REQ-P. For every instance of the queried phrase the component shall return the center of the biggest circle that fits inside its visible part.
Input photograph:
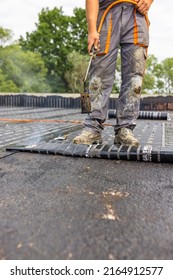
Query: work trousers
(126, 29)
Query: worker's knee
(136, 84)
(95, 85)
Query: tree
(159, 76)
(49, 39)
(5, 35)
(7, 85)
(148, 83)
(79, 31)
(167, 75)
(75, 77)
(56, 36)
(23, 71)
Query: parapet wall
(161, 103)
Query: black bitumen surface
(59, 207)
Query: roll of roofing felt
(149, 115)
(146, 153)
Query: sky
(21, 15)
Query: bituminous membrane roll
(149, 115)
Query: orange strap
(110, 7)
(108, 40)
(110, 26)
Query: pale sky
(21, 15)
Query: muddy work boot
(88, 138)
(125, 136)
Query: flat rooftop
(64, 205)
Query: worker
(125, 27)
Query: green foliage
(49, 40)
(75, 76)
(148, 83)
(79, 31)
(167, 75)
(159, 76)
(7, 85)
(5, 35)
(56, 36)
(53, 58)
(23, 71)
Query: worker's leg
(101, 78)
(102, 73)
(133, 66)
(134, 43)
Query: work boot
(125, 136)
(88, 137)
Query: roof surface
(66, 207)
